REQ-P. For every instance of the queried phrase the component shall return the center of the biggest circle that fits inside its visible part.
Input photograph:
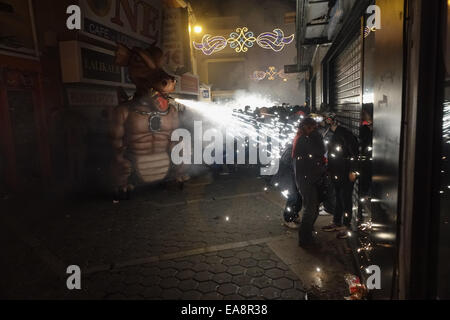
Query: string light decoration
(274, 40)
(211, 44)
(271, 73)
(242, 39)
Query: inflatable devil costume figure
(142, 126)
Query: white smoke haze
(265, 137)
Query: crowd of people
(320, 167)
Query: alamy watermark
(214, 146)
(74, 279)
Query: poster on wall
(175, 40)
(17, 30)
(133, 23)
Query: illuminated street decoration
(258, 75)
(211, 44)
(271, 73)
(242, 39)
(274, 40)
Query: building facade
(59, 86)
(376, 57)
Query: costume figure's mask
(144, 68)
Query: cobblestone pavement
(251, 272)
(211, 240)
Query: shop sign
(85, 63)
(189, 84)
(131, 22)
(100, 66)
(79, 97)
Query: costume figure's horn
(146, 57)
(123, 55)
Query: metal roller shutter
(346, 84)
(346, 94)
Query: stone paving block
(116, 287)
(166, 264)
(243, 254)
(248, 262)
(235, 270)
(218, 268)
(191, 295)
(171, 294)
(227, 289)
(290, 275)
(189, 284)
(253, 249)
(212, 296)
(262, 282)
(222, 277)
(150, 271)
(182, 265)
(293, 294)
(169, 283)
(132, 279)
(185, 274)
(233, 297)
(242, 280)
(270, 293)
(169, 272)
(213, 259)
(207, 286)
(150, 281)
(197, 259)
(248, 291)
(283, 283)
(226, 253)
(203, 276)
(254, 272)
(282, 266)
(201, 266)
(152, 292)
(274, 273)
(266, 264)
(230, 261)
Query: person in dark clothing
(284, 180)
(308, 153)
(342, 161)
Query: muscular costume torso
(141, 138)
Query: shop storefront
(357, 60)
(401, 220)
(24, 149)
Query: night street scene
(201, 151)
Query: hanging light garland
(270, 74)
(242, 39)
